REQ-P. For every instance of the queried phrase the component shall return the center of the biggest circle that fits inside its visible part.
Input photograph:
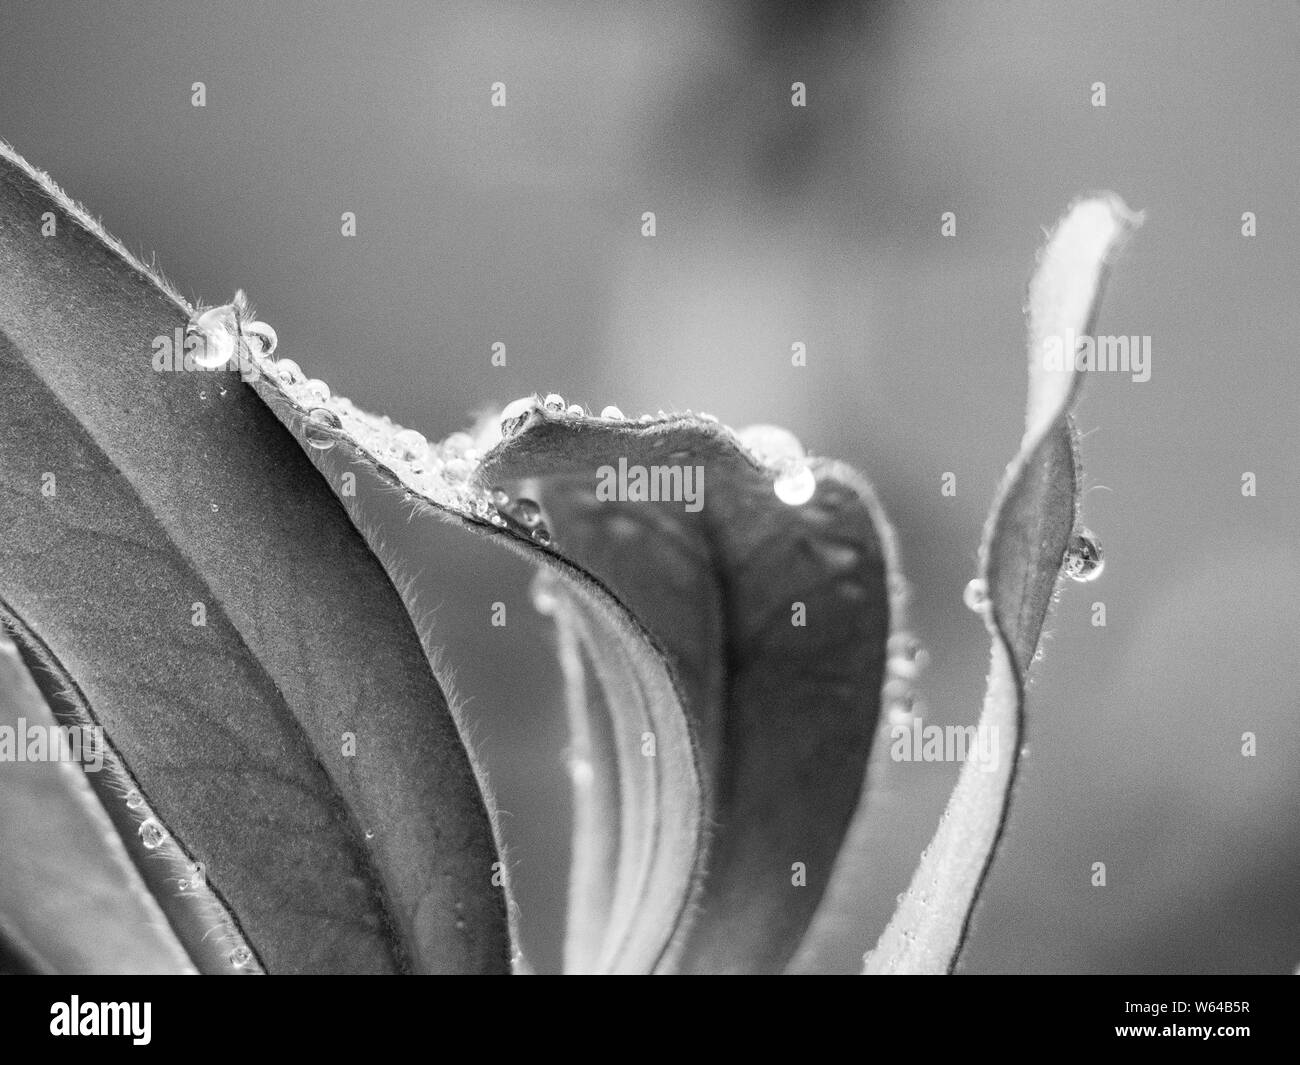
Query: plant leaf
(178, 488)
(702, 597)
(1025, 541)
(70, 898)
(784, 713)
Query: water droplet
(542, 535)
(202, 394)
(612, 413)
(1083, 559)
(217, 326)
(576, 410)
(457, 444)
(554, 402)
(215, 508)
(370, 833)
(976, 595)
(321, 421)
(905, 644)
(900, 714)
(517, 408)
(152, 833)
(906, 655)
(222, 390)
(313, 393)
(795, 486)
(500, 497)
(134, 800)
(645, 419)
(772, 445)
(289, 372)
(411, 445)
(241, 957)
(457, 470)
(460, 925)
(263, 334)
(527, 513)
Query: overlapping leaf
(168, 547)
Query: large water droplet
(217, 327)
(240, 958)
(134, 800)
(542, 535)
(576, 410)
(1083, 559)
(516, 408)
(554, 402)
(795, 486)
(976, 595)
(612, 412)
(152, 833)
(500, 497)
(321, 425)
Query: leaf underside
(783, 713)
(175, 489)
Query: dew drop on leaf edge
(795, 486)
(152, 833)
(1083, 558)
(322, 423)
(976, 595)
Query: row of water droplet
(153, 835)
(442, 472)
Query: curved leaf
(774, 616)
(175, 490)
(770, 719)
(1025, 542)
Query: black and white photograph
(731, 487)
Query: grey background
(775, 225)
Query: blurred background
(776, 225)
